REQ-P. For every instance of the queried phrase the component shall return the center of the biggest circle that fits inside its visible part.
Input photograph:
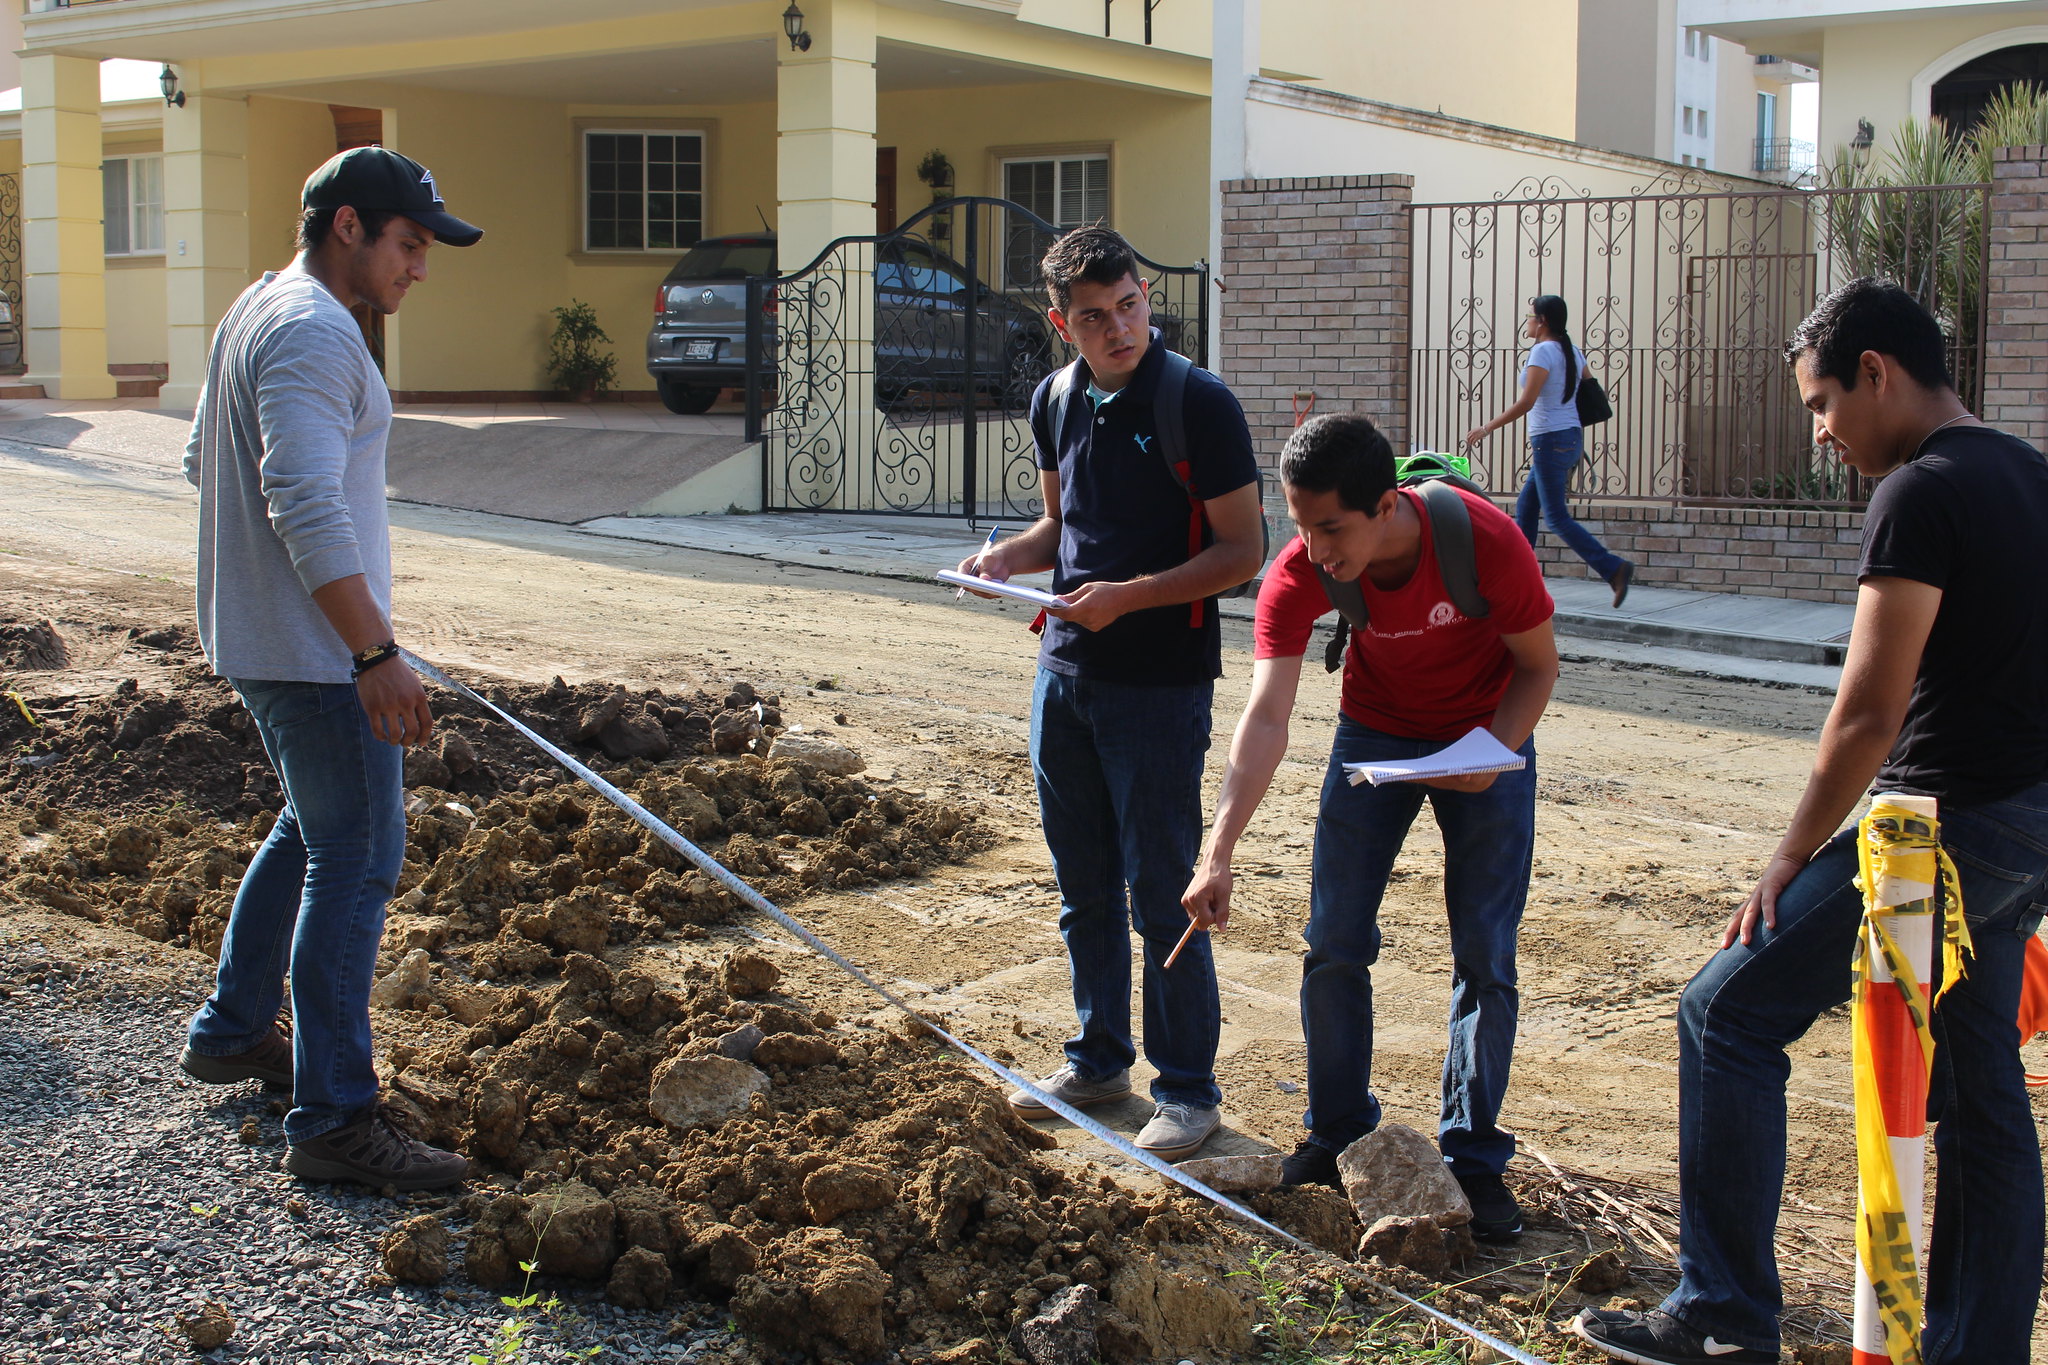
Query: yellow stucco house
(142, 220)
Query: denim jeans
(1748, 1003)
(1489, 838)
(1552, 457)
(1119, 773)
(312, 901)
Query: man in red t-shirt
(1421, 675)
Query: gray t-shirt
(1555, 409)
(287, 452)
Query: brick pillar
(1316, 280)
(2016, 296)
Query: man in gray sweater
(287, 451)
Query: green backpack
(1436, 477)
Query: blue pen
(993, 532)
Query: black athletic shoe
(1657, 1338)
(1496, 1217)
(1311, 1164)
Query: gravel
(128, 1196)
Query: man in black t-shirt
(1944, 694)
(1120, 714)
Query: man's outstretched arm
(1893, 618)
(1255, 753)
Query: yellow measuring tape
(1902, 845)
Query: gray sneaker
(1177, 1131)
(1066, 1084)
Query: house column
(206, 230)
(825, 121)
(64, 252)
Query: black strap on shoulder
(1170, 417)
(1064, 382)
(1450, 525)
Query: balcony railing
(1781, 157)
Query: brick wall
(2016, 331)
(1315, 300)
(1762, 552)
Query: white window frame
(141, 218)
(703, 192)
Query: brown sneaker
(377, 1152)
(270, 1061)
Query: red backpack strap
(1197, 519)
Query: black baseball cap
(381, 180)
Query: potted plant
(937, 173)
(575, 364)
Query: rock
(701, 1092)
(578, 923)
(835, 1190)
(796, 1050)
(1185, 1310)
(734, 732)
(722, 1255)
(501, 1238)
(1420, 1244)
(640, 1279)
(634, 735)
(131, 848)
(578, 1231)
(1063, 1330)
(827, 756)
(406, 987)
(207, 1325)
(1396, 1172)
(424, 768)
(1601, 1274)
(457, 754)
(747, 973)
(741, 1042)
(598, 714)
(416, 1251)
(815, 1288)
(1235, 1174)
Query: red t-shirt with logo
(1421, 669)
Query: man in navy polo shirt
(1120, 714)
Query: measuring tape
(711, 867)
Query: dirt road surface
(1660, 794)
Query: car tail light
(660, 299)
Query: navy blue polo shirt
(1123, 514)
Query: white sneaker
(1066, 1085)
(1177, 1131)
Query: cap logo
(427, 179)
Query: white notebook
(1478, 752)
(1023, 592)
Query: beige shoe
(1066, 1084)
(1177, 1131)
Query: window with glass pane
(132, 205)
(643, 191)
(1068, 192)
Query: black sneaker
(372, 1150)
(1657, 1338)
(1496, 1217)
(1311, 1164)
(270, 1061)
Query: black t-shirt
(1968, 515)
(1123, 514)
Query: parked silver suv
(698, 345)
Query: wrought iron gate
(1682, 303)
(902, 366)
(10, 244)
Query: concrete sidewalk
(1771, 639)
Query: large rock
(1396, 1172)
(416, 1251)
(747, 973)
(640, 1279)
(1417, 1243)
(740, 1043)
(734, 732)
(702, 1092)
(1235, 1174)
(578, 1230)
(823, 754)
(407, 986)
(634, 735)
(1062, 1332)
(207, 1325)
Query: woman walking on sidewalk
(1550, 383)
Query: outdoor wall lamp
(169, 83)
(793, 25)
(1865, 135)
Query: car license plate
(700, 350)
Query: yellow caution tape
(1903, 845)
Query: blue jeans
(1489, 839)
(1119, 772)
(1748, 1003)
(312, 901)
(1552, 457)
